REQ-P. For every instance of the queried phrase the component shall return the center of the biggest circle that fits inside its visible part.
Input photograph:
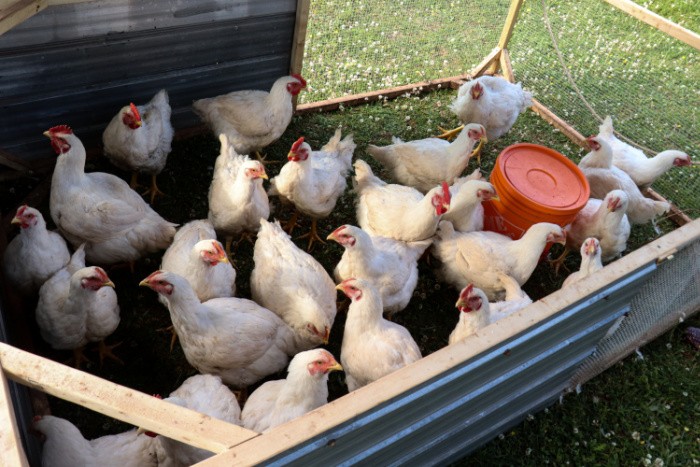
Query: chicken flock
(426, 206)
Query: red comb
(61, 129)
(346, 281)
(154, 273)
(468, 290)
(218, 248)
(300, 78)
(446, 192)
(296, 144)
(135, 111)
(101, 273)
(21, 210)
(339, 229)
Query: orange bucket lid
(540, 179)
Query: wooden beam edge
(554, 120)
(11, 451)
(120, 402)
(286, 436)
(657, 21)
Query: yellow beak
(47, 133)
(145, 283)
(264, 176)
(16, 220)
(108, 284)
(336, 367)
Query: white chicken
(207, 395)
(35, 254)
(590, 262)
(252, 119)
(642, 170)
(196, 255)
(139, 139)
(78, 305)
(604, 177)
(65, 446)
(234, 338)
(397, 211)
(425, 163)
(477, 312)
(99, 209)
(294, 285)
(282, 400)
(313, 180)
(391, 265)
(372, 346)
(237, 198)
(480, 258)
(466, 212)
(492, 101)
(605, 220)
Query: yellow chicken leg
(153, 190)
(557, 263)
(449, 135)
(477, 151)
(173, 335)
(292, 222)
(312, 235)
(105, 350)
(79, 357)
(134, 180)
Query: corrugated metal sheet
(467, 406)
(79, 64)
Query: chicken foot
(449, 135)
(312, 235)
(263, 159)
(173, 335)
(105, 350)
(153, 190)
(292, 222)
(557, 263)
(79, 357)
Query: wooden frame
(14, 12)
(237, 446)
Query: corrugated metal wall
(79, 64)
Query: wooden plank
(286, 436)
(299, 40)
(11, 452)
(506, 66)
(364, 98)
(558, 123)
(507, 31)
(676, 215)
(14, 13)
(659, 22)
(489, 65)
(120, 402)
(508, 26)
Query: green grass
(645, 79)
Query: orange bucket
(534, 184)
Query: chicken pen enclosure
(456, 398)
